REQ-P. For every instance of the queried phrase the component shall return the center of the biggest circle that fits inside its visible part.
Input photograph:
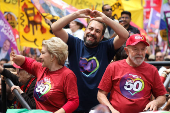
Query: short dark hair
(126, 12)
(147, 56)
(4, 59)
(104, 26)
(103, 6)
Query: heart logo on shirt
(134, 86)
(88, 66)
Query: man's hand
(18, 88)
(114, 111)
(83, 13)
(17, 59)
(1, 69)
(97, 15)
(12, 55)
(152, 106)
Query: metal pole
(3, 96)
(17, 94)
(159, 63)
(167, 81)
(15, 91)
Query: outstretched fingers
(12, 54)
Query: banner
(167, 19)
(32, 26)
(162, 27)
(55, 9)
(7, 39)
(165, 7)
(117, 8)
(10, 10)
(154, 21)
(155, 4)
(134, 6)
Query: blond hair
(57, 47)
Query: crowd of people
(106, 66)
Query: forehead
(107, 7)
(159, 53)
(125, 15)
(96, 25)
(7, 41)
(44, 48)
(73, 22)
(21, 71)
(3, 62)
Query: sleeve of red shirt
(158, 88)
(162, 79)
(106, 81)
(71, 105)
(27, 64)
(71, 92)
(32, 66)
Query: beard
(135, 60)
(89, 43)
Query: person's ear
(52, 57)
(126, 50)
(101, 38)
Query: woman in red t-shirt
(56, 85)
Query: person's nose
(92, 32)
(140, 52)
(40, 56)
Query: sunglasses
(108, 9)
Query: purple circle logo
(42, 88)
(131, 86)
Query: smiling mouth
(91, 38)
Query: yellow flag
(32, 26)
(117, 8)
(134, 6)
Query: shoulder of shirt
(149, 65)
(130, 26)
(115, 63)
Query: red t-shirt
(131, 87)
(53, 88)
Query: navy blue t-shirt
(89, 65)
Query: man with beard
(88, 59)
(131, 81)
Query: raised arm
(57, 27)
(122, 33)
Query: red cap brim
(16, 66)
(140, 41)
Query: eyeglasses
(108, 9)
(124, 17)
(158, 56)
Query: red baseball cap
(16, 66)
(136, 38)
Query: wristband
(164, 73)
